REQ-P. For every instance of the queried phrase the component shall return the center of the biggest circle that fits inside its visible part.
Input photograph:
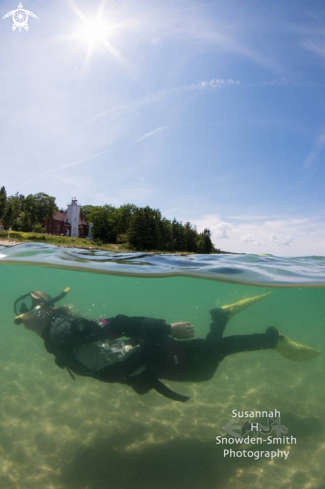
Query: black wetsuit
(153, 354)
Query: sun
(99, 32)
(95, 31)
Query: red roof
(61, 216)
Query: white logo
(20, 18)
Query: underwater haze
(56, 433)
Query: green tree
(179, 237)
(7, 217)
(124, 215)
(45, 207)
(144, 229)
(204, 243)
(40, 207)
(31, 208)
(38, 228)
(190, 237)
(166, 235)
(200, 244)
(22, 222)
(104, 220)
(85, 211)
(3, 200)
(14, 206)
(138, 234)
(209, 248)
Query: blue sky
(213, 112)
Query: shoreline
(9, 242)
(6, 242)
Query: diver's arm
(182, 330)
(136, 326)
(148, 327)
(79, 331)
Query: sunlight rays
(97, 32)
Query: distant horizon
(210, 111)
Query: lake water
(56, 433)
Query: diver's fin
(295, 352)
(232, 309)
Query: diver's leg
(221, 315)
(220, 319)
(250, 342)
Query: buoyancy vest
(58, 340)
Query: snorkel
(46, 303)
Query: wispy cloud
(194, 7)
(61, 167)
(286, 82)
(316, 46)
(227, 32)
(317, 148)
(84, 160)
(151, 133)
(253, 217)
(204, 85)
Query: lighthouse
(73, 217)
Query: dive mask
(26, 305)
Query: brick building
(68, 223)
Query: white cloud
(250, 238)
(281, 240)
(221, 230)
(296, 236)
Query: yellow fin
(239, 306)
(295, 352)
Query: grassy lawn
(65, 241)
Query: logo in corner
(20, 18)
(273, 424)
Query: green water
(56, 433)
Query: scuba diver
(139, 351)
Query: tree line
(143, 228)
(21, 213)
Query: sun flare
(95, 31)
(98, 34)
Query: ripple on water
(307, 271)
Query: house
(68, 223)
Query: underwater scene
(259, 422)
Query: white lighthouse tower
(73, 217)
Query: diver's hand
(183, 331)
